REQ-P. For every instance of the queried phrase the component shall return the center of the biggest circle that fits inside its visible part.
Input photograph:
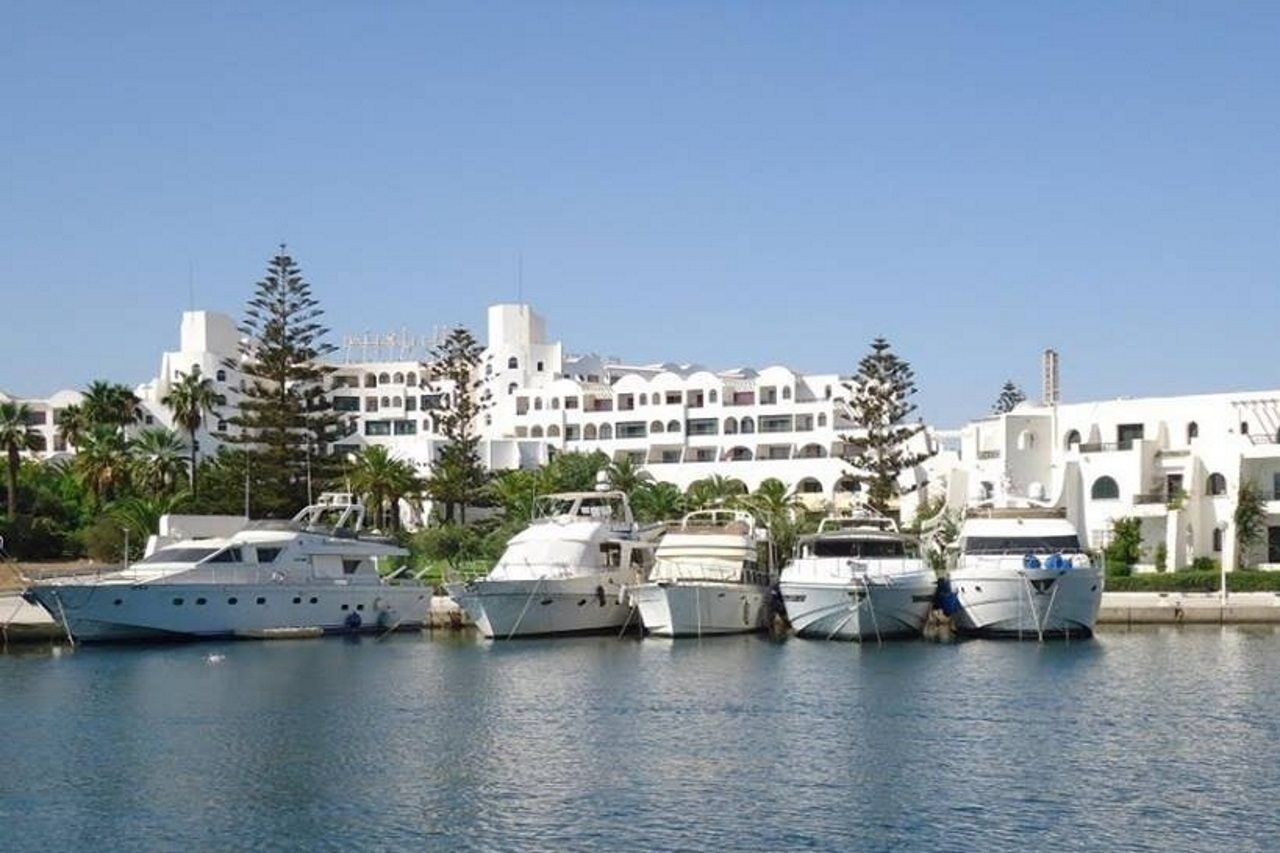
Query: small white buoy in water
(212, 659)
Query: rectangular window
(268, 555)
(702, 454)
(411, 404)
(674, 398)
(572, 432)
(768, 395)
(346, 404)
(702, 426)
(632, 429)
(1127, 434)
(775, 423)
(432, 401)
(1275, 486)
(406, 427)
(626, 402)
(377, 427)
(1273, 544)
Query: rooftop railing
(1106, 446)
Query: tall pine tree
(283, 416)
(458, 474)
(880, 402)
(1010, 396)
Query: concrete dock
(1189, 608)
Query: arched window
(1193, 431)
(740, 454)
(221, 375)
(712, 396)
(747, 425)
(513, 363)
(536, 432)
(555, 402)
(589, 432)
(812, 451)
(848, 484)
(1217, 485)
(384, 378)
(730, 426)
(386, 402)
(553, 431)
(370, 381)
(1104, 489)
(656, 426)
(673, 426)
(511, 389)
(1072, 440)
(1217, 540)
(537, 403)
(809, 486)
(786, 392)
(606, 432)
(411, 380)
(822, 420)
(1026, 440)
(644, 399)
(398, 378)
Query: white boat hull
(857, 611)
(503, 609)
(121, 612)
(1028, 603)
(698, 608)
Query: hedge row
(1190, 581)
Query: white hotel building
(680, 422)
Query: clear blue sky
(729, 183)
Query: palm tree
(72, 423)
(714, 491)
(102, 461)
(780, 510)
(626, 476)
(110, 404)
(657, 502)
(377, 477)
(159, 459)
(190, 399)
(16, 435)
(141, 516)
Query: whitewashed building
(1175, 463)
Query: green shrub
(1162, 557)
(1194, 580)
(104, 541)
(27, 538)
(1205, 564)
(1126, 542)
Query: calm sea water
(1151, 739)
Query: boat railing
(1018, 562)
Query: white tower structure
(1049, 377)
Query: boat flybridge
(707, 578)
(857, 578)
(565, 573)
(1022, 572)
(311, 575)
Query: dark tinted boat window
(268, 555)
(868, 548)
(178, 555)
(230, 555)
(1019, 544)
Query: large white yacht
(566, 572)
(857, 578)
(706, 578)
(314, 574)
(1021, 572)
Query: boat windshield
(179, 555)
(865, 548)
(1020, 544)
(596, 508)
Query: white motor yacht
(1021, 572)
(565, 573)
(706, 578)
(857, 578)
(312, 575)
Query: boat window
(611, 554)
(870, 548)
(268, 555)
(1019, 544)
(179, 555)
(228, 555)
(349, 567)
